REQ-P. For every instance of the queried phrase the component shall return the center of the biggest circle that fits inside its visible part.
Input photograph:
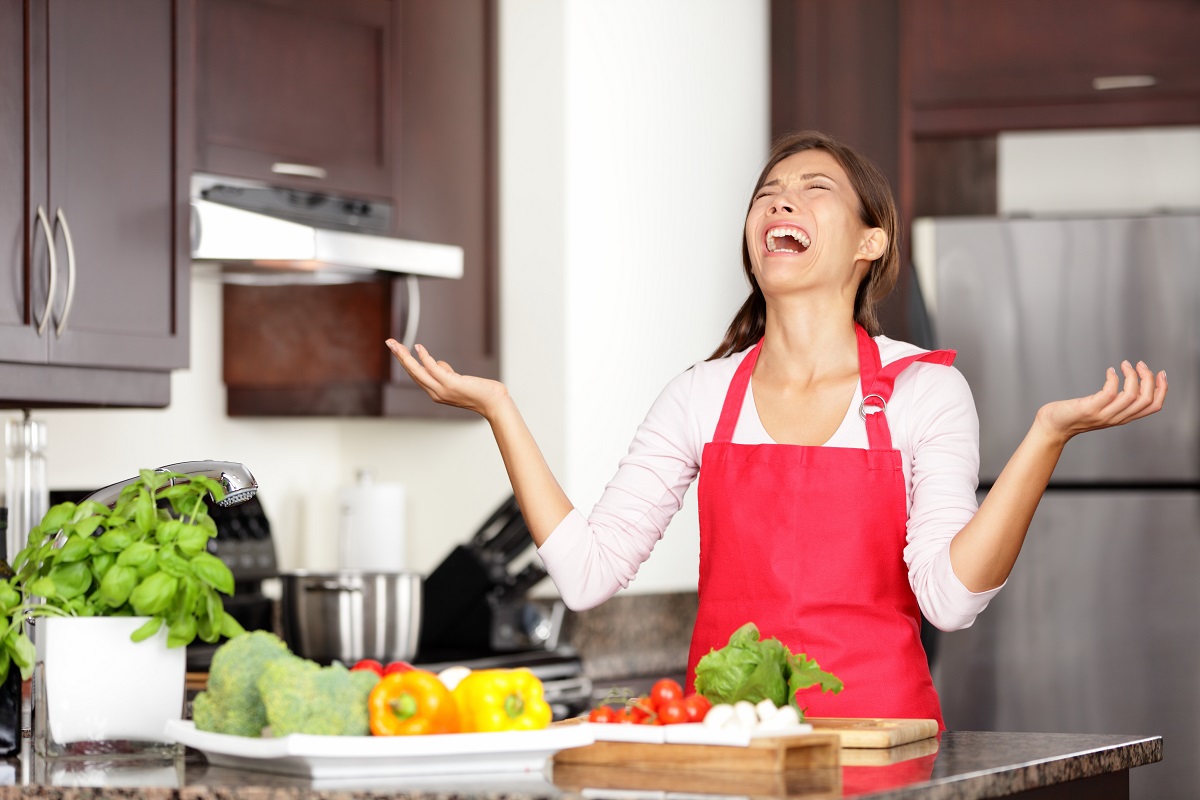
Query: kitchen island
(960, 765)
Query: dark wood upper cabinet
(95, 113)
(298, 92)
(318, 350)
(976, 66)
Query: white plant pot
(96, 691)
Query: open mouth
(786, 239)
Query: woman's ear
(874, 244)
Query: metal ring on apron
(862, 407)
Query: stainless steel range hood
(259, 234)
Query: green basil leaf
(191, 594)
(213, 607)
(56, 517)
(153, 479)
(170, 562)
(182, 631)
(192, 540)
(168, 531)
(5, 659)
(230, 627)
(145, 512)
(154, 594)
(90, 508)
(115, 540)
(88, 525)
(147, 630)
(10, 598)
(212, 571)
(77, 548)
(101, 563)
(21, 650)
(138, 555)
(117, 585)
(71, 580)
(43, 587)
(206, 630)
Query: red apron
(808, 543)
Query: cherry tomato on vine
(602, 714)
(665, 690)
(641, 711)
(673, 712)
(697, 707)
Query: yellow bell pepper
(501, 700)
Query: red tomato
(622, 716)
(603, 714)
(371, 664)
(673, 712)
(398, 666)
(641, 711)
(697, 707)
(664, 691)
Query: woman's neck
(807, 341)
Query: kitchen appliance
(267, 234)
(349, 615)
(1097, 630)
(477, 613)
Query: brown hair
(877, 209)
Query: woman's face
(804, 227)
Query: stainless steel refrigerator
(1098, 628)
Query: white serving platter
(340, 757)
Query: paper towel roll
(372, 535)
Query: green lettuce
(753, 669)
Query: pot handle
(331, 586)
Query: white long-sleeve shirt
(934, 426)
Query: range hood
(260, 234)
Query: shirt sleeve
(591, 558)
(943, 429)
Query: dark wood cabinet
(94, 108)
(299, 93)
(923, 87)
(318, 350)
(977, 67)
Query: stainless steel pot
(351, 615)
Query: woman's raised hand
(444, 385)
(1142, 394)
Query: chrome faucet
(237, 481)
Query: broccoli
(231, 703)
(303, 697)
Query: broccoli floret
(231, 703)
(303, 697)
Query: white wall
(630, 135)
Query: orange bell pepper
(502, 700)
(413, 702)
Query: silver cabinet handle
(61, 218)
(414, 311)
(41, 326)
(299, 170)
(1108, 82)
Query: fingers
(1141, 394)
(425, 372)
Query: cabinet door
(21, 302)
(296, 92)
(118, 183)
(1064, 63)
(447, 189)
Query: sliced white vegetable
(784, 717)
(765, 709)
(718, 715)
(747, 716)
(451, 676)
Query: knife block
(455, 614)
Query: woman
(837, 467)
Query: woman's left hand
(1142, 394)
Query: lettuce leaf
(753, 669)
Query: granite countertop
(961, 766)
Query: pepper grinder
(28, 496)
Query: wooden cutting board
(770, 754)
(874, 733)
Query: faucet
(237, 481)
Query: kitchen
(570, 233)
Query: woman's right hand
(445, 386)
